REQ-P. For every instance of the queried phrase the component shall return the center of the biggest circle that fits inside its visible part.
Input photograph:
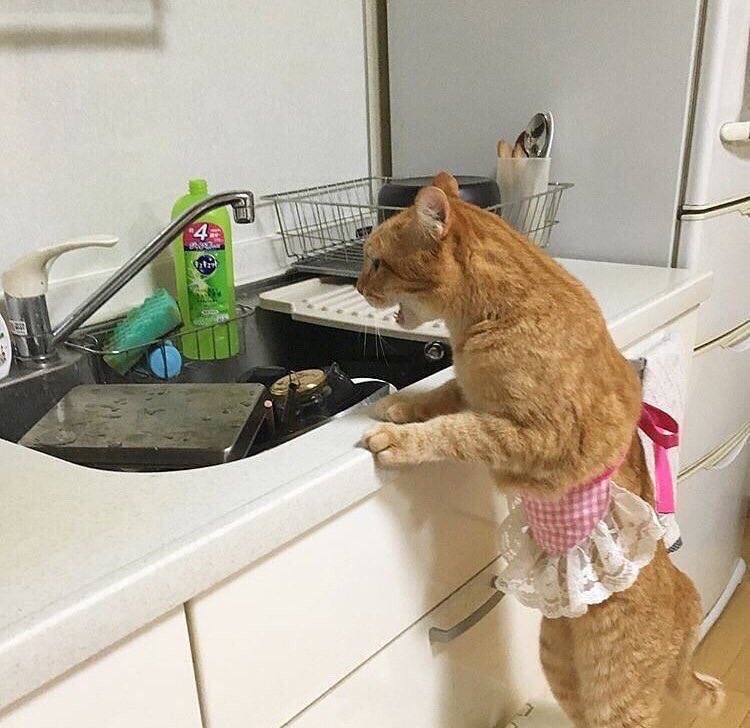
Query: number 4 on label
(202, 232)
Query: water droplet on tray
(65, 437)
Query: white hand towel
(664, 383)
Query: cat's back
(521, 277)
(543, 348)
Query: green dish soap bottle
(205, 280)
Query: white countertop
(90, 556)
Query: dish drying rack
(219, 347)
(324, 228)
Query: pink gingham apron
(557, 526)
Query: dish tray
(147, 427)
(324, 228)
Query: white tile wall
(102, 127)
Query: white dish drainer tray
(324, 227)
(336, 303)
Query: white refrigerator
(651, 101)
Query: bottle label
(204, 249)
(203, 236)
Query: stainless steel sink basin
(269, 339)
(27, 395)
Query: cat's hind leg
(556, 653)
(622, 660)
(702, 694)
(600, 695)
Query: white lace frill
(605, 562)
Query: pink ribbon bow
(663, 431)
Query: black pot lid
(419, 182)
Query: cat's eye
(375, 262)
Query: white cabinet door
(145, 681)
(720, 244)
(719, 172)
(718, 395)
(272, 639)
(711, 512)
(478, 679)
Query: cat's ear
(433, 211)
(447, 182)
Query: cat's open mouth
(406, 317)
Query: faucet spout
(243, 207)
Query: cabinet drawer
(146, 680)
(478, 679)
(272, 639)
(711, 513)
(722, 245)
(718, 400)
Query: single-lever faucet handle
(28, 276)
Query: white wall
(614, 74)
(105, 121)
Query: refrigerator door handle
(735, 132)
(704, 212)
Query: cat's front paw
(394, 444)
(396, 408)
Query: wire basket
(324, 228)
(209, 353)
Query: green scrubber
(154, 318)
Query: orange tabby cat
(542, 397)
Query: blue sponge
(156, 316)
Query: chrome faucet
(25, 282)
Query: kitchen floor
(725, 653)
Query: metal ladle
(537, 139)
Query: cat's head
(405, 259)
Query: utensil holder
(525, 179)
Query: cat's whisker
(377, 341)
(383, 346)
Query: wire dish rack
(209, 353)
(324, 228)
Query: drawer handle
(438, 634)
(727, 459)
(740, 342)
(720, 457)
(737, 339)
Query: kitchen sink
(270, 339)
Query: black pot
(399, 193)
